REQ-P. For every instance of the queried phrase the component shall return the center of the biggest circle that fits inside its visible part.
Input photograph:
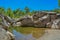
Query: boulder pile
(5, 34)
(41, 19)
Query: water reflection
(19, 36)
(28, 33)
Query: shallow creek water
(28, 34)
(20, 36)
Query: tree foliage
(18, 12)
(59, 3)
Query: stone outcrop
(38, 15)
(56, 24)
(5, 35)
(4, 25)
(6, 20)
(50, 34)
(39, 19)
(43, 20)
(26, 21)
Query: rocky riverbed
(51, 34)
(6, 35)
(37, 34)
(38, 20)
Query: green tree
(59, 3)
(27, 10)
(33, 12)
(56, 10)
(9, 12)
(2, 10)
(18, 12)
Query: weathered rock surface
(48, 19)
(16, 24)
(41, 19)
(38, 15)
(26, 21)
(4, 35)
(6, 20)
(50, 34)
(56, 24)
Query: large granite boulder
(49, 24)
(39, 24)
(26, 21)
(58, 16)
(44, 19)
(6, 20)
(56, 24)
(16, 24)
(52, 17)
(38, 15)
(4, 35)
(9, 20)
